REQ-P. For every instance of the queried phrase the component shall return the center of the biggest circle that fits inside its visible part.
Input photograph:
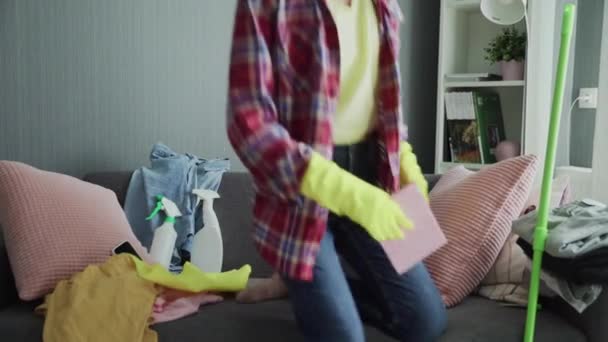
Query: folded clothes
(590, 268)
(574, 230)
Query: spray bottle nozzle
(206, 195)
(163, 203)
(159, 207)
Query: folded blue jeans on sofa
(174, 176)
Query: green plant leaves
(510, 44)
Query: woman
(315, 115)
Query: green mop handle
(540, 233)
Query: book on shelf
(468, 77)
(464, 141)
(475, 126)
(490, 122)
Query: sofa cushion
(117, 181)
(475, 320)
(234, 212)
(475, 211)
(55, 225)
(478, 319)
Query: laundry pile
(575, 261)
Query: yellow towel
(107, 302)
(194, 280)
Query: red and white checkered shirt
(284, 82)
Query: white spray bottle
(207, 247)
(165, 235)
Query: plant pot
(512, 70)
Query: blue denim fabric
(333, 306)
(174, 176)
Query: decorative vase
(512, 70)
(506, 150)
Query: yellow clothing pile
(113, 301)
(108, 302)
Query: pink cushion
(55, 225)
(475, 211)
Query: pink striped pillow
(56, 225)
(475, 211)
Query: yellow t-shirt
(359, 38)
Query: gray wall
(92, 84)
(563, 151)
(578, 128)
(419, 57)
(586, 75)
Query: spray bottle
(165, 235)
(207, 246)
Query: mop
(540, 233)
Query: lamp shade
(503, 12)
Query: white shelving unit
(464, 34)
(473, 167)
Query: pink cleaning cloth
(425, 238)
(172, 305)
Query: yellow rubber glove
(411, 171)
(192, 279)
(346, 195)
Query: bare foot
(262, 289)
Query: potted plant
(508, 49)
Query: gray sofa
(476, 319)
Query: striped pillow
(475, 211)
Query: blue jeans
(332, 307)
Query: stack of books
(475, 126)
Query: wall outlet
(588, 98)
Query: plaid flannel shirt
(283, 88)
